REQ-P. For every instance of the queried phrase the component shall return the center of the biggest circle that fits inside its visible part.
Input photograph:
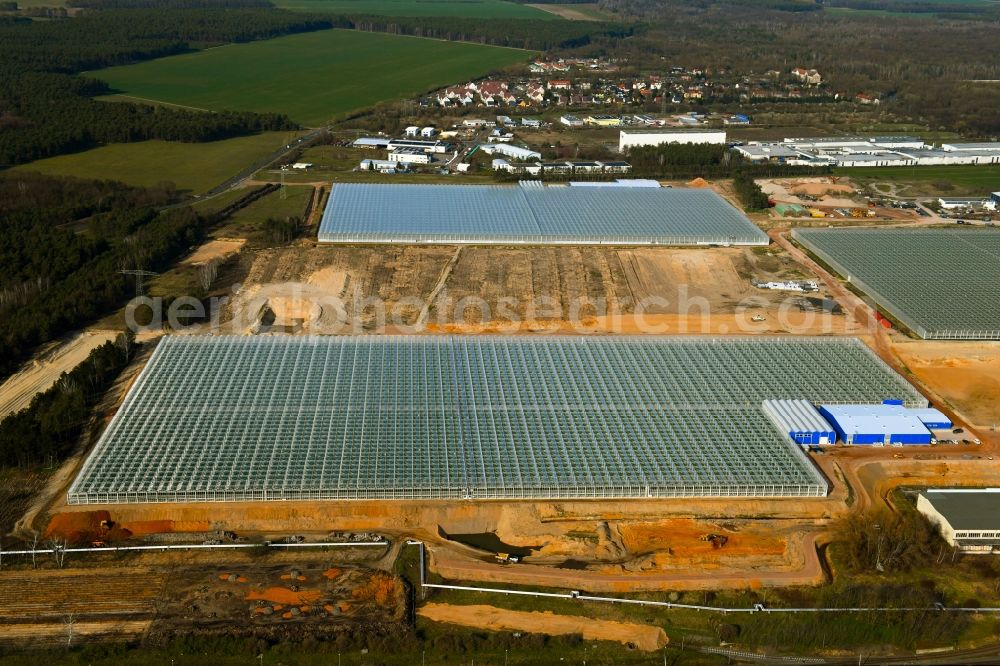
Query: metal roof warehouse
(376, 213)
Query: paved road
(258, 165)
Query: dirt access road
(42, 372)
(452, 564)
(644, 637)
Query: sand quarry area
(217, 249)
(964, 374)
(42, 372)
(823, 191)
(480, 616)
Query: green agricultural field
(971, 178)
(463, 8)
(313, 77)
(195, 167)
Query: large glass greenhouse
(940, 283)
(375, 213)
(269, 418)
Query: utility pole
(139, 275)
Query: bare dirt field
(516, 289)
(315, 289)
(217, 249)
(965, 374)
(644, 637)
(43, 371)
(50, 634)
(242, 597)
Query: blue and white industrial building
(889, 423)
(885, 424)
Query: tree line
(515, 33)
(47, 108)
(62, 261)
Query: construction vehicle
(717, 540)
(507, 558)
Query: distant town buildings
(868, 152)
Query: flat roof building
(419, 144)
(968, 519)
(371, 142)
(510, 150)
(409, 156)
(993, 146)
(885, 424)
(632, 138)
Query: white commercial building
(631, 138)
(382, 166)
(991, 147)
(515, 152)
(419, 144)
(409, 156)
(968, 519)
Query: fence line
(756, 608)
(193, 546)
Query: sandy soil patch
(965, 374)
(217, 249)
(795, 323)
(688, 539)
(330, 279)
(821, 191)
(643, 636)
(42, 372)
(283, 595)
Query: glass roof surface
(940, 283)
(512, 214)
(239, 418)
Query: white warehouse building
(409, 156)
(967, 518)
(631, 138)
(509, 150)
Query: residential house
(808, 76)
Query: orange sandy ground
(644, 637)
(85, 526)
(794, 322)
(282, 595)
(683, 538)
(965, 374)
(381, 587)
